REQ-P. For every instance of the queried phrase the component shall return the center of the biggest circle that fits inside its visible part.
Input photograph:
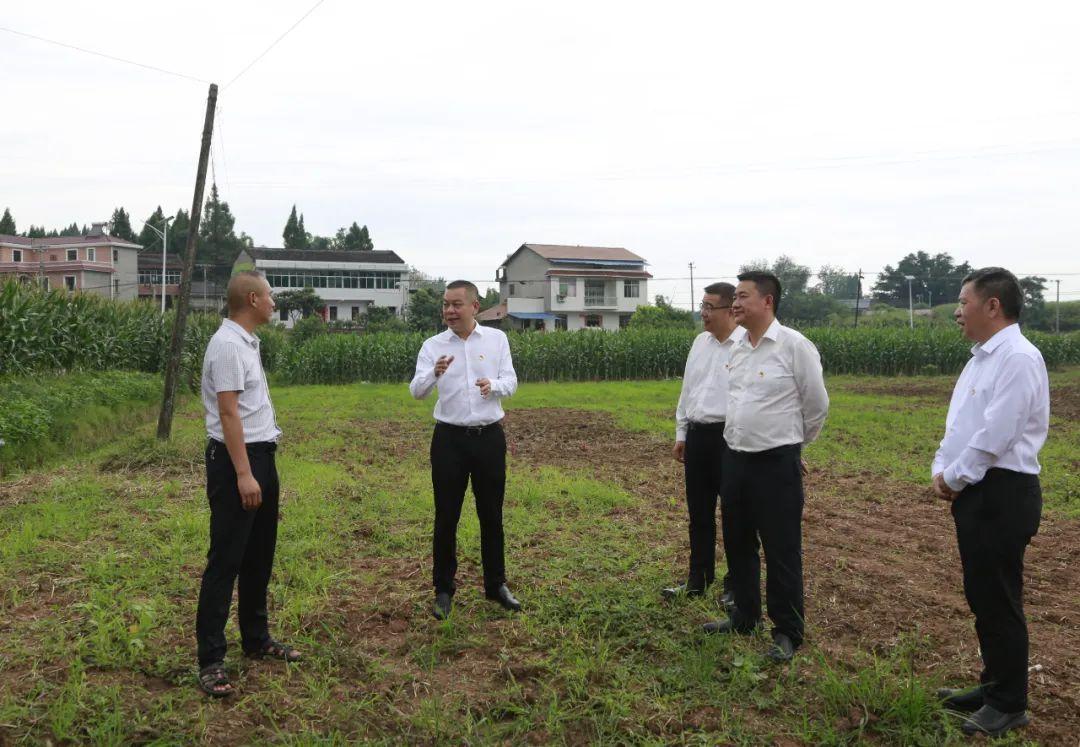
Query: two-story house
(94, 263)
(349, 282)
(545, 286)
(206, 294)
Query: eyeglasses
(710, 307)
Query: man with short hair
(471, 367)
(699, 435)
(987, 466)
(776, 404)
(241, 486)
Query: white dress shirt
(999, 413)
(232, 364)
(703, 398)
(776, 391)
(484, 354)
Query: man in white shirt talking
(470, 365)
(699, 435)
(776, 403)
(988, 468)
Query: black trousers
(762, 498)
(702, 467)
(995, 520)
(458, 455)
(241, 551)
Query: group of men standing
(753, 395)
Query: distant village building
(546, 286)
(206, 295)
(94, 263)
(349, 282)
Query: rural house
(94, 263)
(545, 286)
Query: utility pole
(910, 306)
(693, 298)
(172, 368)
(1057, 307)
(858, 296)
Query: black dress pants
(241, 551)
(459, 454)
(702, 467)
(995, 520)
(762, 498)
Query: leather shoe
(681, 590)
(725, 627)
(505, 599)
(962, 700)
(728, 600)
(781, 650)
(990, 720)
(442, 606)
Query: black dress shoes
(505, 599)
(681, 590)
(442, 606)
(728, 600)
(990, 720)
(782, 649)
(965, 700)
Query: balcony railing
(596, 302)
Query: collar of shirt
(772, 333)
(1000, 337)
(448, 335)
(242, 333)
(736, 334)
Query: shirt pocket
(771, 379)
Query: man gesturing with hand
(470, 365)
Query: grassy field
(100, 557)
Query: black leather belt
(469, 430)
(692, 426)
(270, 446)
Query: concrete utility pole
(858, 295)
(910, 306)
(693, 298)
(172, 369)
(1057, 307)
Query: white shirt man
(776, 403)
(988, 467)
(232, 364)
(699, 436)
(472, 369)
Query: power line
(114, 58)
(274, 43)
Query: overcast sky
(714, 133)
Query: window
(560, 323)
(355, 312)
(116, 256)
(624, 320)
(91, 254)
(513, 290)
(72, 255)
(116, 287)
(568, 287)
(283, 315)
(631, 289)
(333, 313)
(16, 255)
(69, 282)
(594, 320)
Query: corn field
(57, 331)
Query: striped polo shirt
(232, 364)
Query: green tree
(321, 244)
(72, 230)
(836, 282)
(662, 316)
(425, 310)
(178, 232)
(218, 243)
(7, 224)
(302, 302)
(147, 238)
(936, 279)
(294, 235)
(1034, 314)
(382, 319)
(36, 232)
(793, 276)
(489, 299)
(366, 244)
(350, 239)
(120, 225)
